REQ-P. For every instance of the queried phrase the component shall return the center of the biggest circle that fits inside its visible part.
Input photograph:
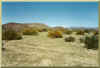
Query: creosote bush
(30, 31)
(91, 42)
(69, 39)
(11, 34)
(55, 34)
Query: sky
(66, 14)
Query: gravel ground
(43, 51)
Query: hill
(20, 26)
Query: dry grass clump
(11, 34)
(69, 39)
(55, 34)
(30, 31)
(91, 42)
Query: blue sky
(67, 14)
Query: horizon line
(50, 25)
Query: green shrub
(69, 39)
(10, 34)
(55, 34)
(30, 31)
(91, 42)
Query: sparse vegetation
(10, 34)
(91, 42)
(41, 50)
(59, 28)
(68, 32)
(80, 32)
(86, 30)
(95, 32)
(82, 39)
(30, 31)
(42, 30)
(55, 34)
(69, 39)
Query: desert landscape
(38, 44)
(50, 34)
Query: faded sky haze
(67, 14)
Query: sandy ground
(44, 51)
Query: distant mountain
(94, 28)
(20, 26)
(38, 25)
(14, 26)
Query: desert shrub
(95, 32)
(39, 30)
(91, 42)
(80, 32)
(82, 39)
(69, 39)
(30, 31)
(3, 35)
(10, 34)
(42, 29)
(87, 31)
(55, 34)
(68, 32)
(59, 28)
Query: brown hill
(19, 26)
